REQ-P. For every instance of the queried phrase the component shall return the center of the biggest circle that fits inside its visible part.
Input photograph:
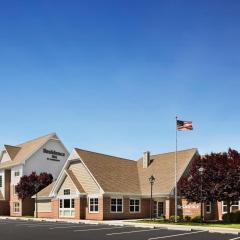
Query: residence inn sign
(54, 154)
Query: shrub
(197, 219)
(187, 218)
(162, 217)
(172, 218)
(234, 217)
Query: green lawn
(218, 224)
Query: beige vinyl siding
(44, 206)
(67, 184)
(84, 177)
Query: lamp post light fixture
(151, 181)
(201, 170)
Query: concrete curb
(234, 231)
(129, 223)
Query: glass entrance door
(160, 209)
(155, 209)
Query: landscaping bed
(204, 224)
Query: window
(160, 209)
(208, 207)
(93, 205)
(73, 203)
(66, 192)
(134, 205)
(67, 207)
(234, 206)
(16, 207)
(1, 180)
(224, 206)
(16, 173)
(116, 205)
(14, 189)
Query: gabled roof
(124, 176)
(12, 151)
(118, 175)
(19, 153)
(75, 181)
(113, 174)
(162, 167)
(44, 193)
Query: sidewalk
(135, 224)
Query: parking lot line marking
(32, 223)
(96, 229)
(176, 235)
(136, 231)
(235, 238)
(69, 227)
(41, 225)
(46, 225)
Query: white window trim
(17, 171)
(210, 207)
(67, 209)
(116, 204)
(223, 207)
(135, 205)
(230, 207)
(69, 192)
(89, 209)
(164, 207)
(15, 208)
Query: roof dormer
(12, 151)
(8, 153)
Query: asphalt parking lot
(26, 230)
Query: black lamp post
(151, 181)
(201, 170)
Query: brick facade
(126, 214)
(219, 209)
(95, 216)
(55, 208)
(45, 215)
(4, 208)
(14, 199)
(104, 213)
(193, 209)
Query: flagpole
(176, 171)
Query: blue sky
(109, 76)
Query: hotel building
(43, 154)
(100, 187)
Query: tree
(220, 180)
(194, 185)
(226, 177)
(32, 184)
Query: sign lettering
(54, 154)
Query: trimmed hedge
(172, 218)
(234, 217)
(187, 218)
(197, 219)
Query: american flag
(184, 125)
